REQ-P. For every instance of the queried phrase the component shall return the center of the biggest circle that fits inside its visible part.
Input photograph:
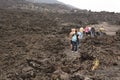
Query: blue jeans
(74, 46)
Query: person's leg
(75, 46)
(101, 34)
(94, 34)
(81, 36)
(72, 46)
(77, 41)
(91, 33)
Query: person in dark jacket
(92, 32)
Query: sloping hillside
(34, 43)
(44, 1)
(34, 46)
(28, 5)
(9, 3)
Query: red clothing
(86, 29)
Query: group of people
(76, 35)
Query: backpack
(74, 37)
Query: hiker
(86, 30)
(75, 39)
(81, 31)
(79, 34)
(97, 33)
(101, 30)
(92, 32)
(89, 28)
(70, 36)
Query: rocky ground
(34, 46)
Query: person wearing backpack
(75, 39)
(101, 31)
(70, 36)
(92, 32)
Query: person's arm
(78, 37)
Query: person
(75, 39)
(92, 32)
(89, 27)
(97, 32)
(70, 36)
(81, 31)
(86, 30)
(101, 30)
(79, 34)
